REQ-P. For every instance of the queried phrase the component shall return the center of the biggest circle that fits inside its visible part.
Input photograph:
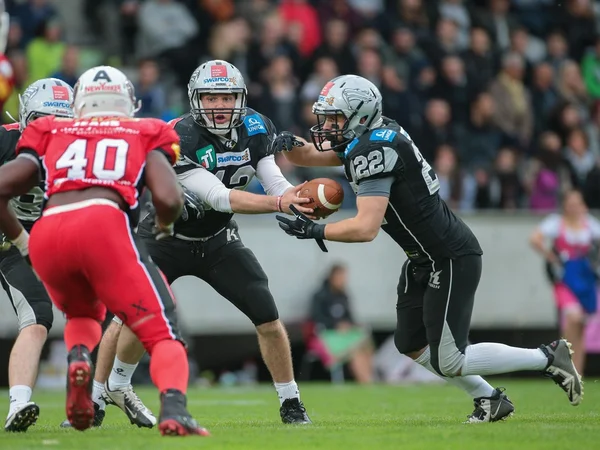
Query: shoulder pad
(382, 135)
(255, 124)
(350, 146)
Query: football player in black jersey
(224, 144)
(29, 299)
(397, 190)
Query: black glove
(193, 207)
(285, 141)
(302, 227)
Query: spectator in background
(571, 264)
(166, 31)
(436, 130)
(513, 113)
(480, 61)
(149, 91)
(564, 119)
(483, 137)
(498, 21)
(406, 58)
(412, 14)
(544, 96)
(579, 26)
(456, 11)
(579, 156)
(335, 326)
(369, 66)
(401, 105)
(452, 86)
(590, 68)
(557, 49)
(69, 70)
(548, 176)
(339, 10)
(507, 188)
(445, 42)
(303, 16)
(454, 186)
(572, 88)
(18, 61)
(31, 15)
(336, 45)
(45, 52)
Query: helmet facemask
(337, 137)
(209, 117)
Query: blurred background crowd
(502, 97)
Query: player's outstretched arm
(303, 153)
(167, 195)
(16, 178)
(213, 192)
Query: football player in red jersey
(83, 247)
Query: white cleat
(126, 399)
(22, 418)
(562, 370)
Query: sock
(287, 390)
(18, 395)
(491, 358)
(473, 385)
(82, 331)
(97, 394)
(121, 373)
(169, 366)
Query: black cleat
(98, 418)
(293, 411)
(491, 409)
(22, 418)
(175, 420)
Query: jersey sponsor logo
(218, 71)
(207, 157)
(63, 105)
(434, 280)
(383, 135)
(255, 125)
(233, 158)
(60, 92)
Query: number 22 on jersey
(108, 161)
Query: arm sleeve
(166, 140)
(375, 187)
(550, 226)
(208, 187)
(34, 139)
(270, 177)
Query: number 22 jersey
(416, 217)
(103, 152)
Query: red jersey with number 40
(105, 152)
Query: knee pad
(447, 361)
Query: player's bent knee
(408, 348)
(270, 328)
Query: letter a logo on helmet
(102, 75)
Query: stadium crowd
(502, 97)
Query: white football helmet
(45, 97)
(217, 77)
(351, 96)
(104, 91)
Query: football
(327, 196)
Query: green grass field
(345, 417)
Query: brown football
(327, 196)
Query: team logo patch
(207, 157)
(218, 71)
(233, 158)
(330, 100)
(60, 92)
(255, 125)
(383, 135)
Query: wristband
(279, 204)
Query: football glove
(5, 244)
(285, 141)
(303, 228)
(193, 207)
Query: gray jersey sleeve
(375, 187)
